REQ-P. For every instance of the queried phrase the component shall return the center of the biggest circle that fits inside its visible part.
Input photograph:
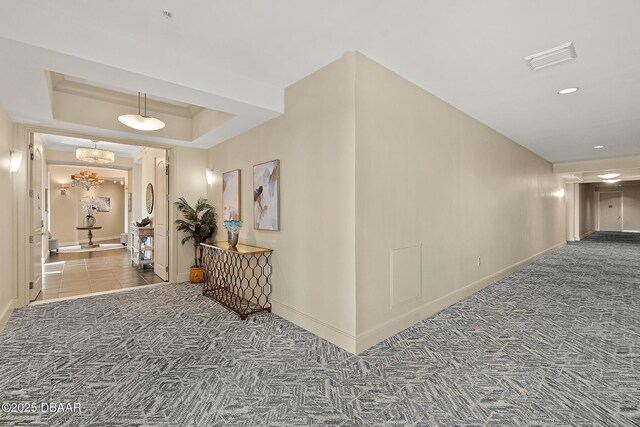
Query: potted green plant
(199, 224)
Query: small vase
(88, 221)
(232, 239)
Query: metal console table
(238, 278)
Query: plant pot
(196, 275)
(232, 238)
(88, 221)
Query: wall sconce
(63, 189)
(16, 160)
(209, 176)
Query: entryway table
(238, 277)
(90, 244)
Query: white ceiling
(66, 143)
(625, 175)
(239, 56)
(118, 175)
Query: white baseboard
(95, 239)
(318, 327)
(373, 336)
(5, 312)
(182, 277)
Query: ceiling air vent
(565, 52)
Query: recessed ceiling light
(610, 181)
(597, 147)
(568, 90)
(609, 175)
(167, 14)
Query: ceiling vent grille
(565, 52)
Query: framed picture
(130, 202)
(231, 195)
(266, 196)
(46, 200)
(103, 204)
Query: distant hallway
(557, 343)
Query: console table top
(239, 249)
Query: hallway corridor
(557, 343)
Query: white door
(161, 260)
(610, 213)
(37, 223)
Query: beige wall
(571, 220)
(7, 249)
(313, 260)
(148, 159)
(587, 209)
(631, 208)
(135, 186)
(381, 179)
(436, 191)
(66, 211)
(187, 179)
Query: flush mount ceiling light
(610, 181)
(609, 175)
(597, 147)
(568, 90)
(141, 121)
(94, 155)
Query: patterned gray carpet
(555, 344)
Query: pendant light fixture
(140, 121)
(94, 155)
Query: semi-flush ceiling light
(609, 175)
(140, 121)
(568, 90)
(94, 155)
(611, 181)
(597, 147)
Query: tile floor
(74, 274)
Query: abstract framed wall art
(103, 204)
(266, 196)
(231, 195)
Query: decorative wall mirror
(149, 198)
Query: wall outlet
(478, 262)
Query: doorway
(610, 211)
(161, 264)
(75, 267)
(36, 197)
